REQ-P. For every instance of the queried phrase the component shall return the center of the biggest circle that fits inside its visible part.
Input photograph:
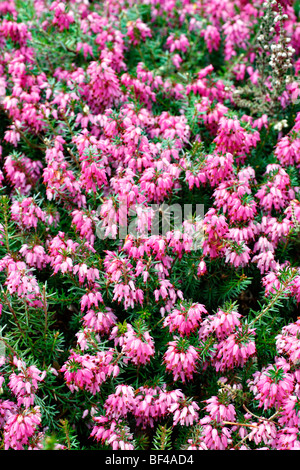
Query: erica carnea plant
(149, 225)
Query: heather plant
(149, 225)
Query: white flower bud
(278, 126)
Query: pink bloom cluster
(20, 420)
(147, 405)
(89, 372)
(232, 341)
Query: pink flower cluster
(147, 405)
(20, 420)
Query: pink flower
(222, 324)
(138, 345)
(212, 37)
(7, 410)
(237, 254)
(21, 281)
(234, 351)
(265, 431)
(276, 192)
(20, 428)
(100, 321)
(128, 294)
(150, 405)
(93, 170)
(181, 359)
(91, 298)
(177, 44)
(271, 386)
(218, 411)
(289, 414)
(184, 412)
(88, 372)
(27, 213)
(202, 269)
(61, 18)
(215, 229)
(176, 59)
(25, 384)
(61, 252)
(287, 342)
(265, 261)
(287, 151)
(232, 137)
(17, 32)
(138, 31)
(103, 87)
(214, 437)
(112, 432)
(120, 403)
(287, 439)
(22, 172)
(185, 319)
(87, 49)
(35, 256)
(237, 34)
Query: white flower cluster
(277, 51)
(281, 54)
(280, 125)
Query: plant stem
(13, 313)
(275, 298)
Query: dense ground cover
(149, 224)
